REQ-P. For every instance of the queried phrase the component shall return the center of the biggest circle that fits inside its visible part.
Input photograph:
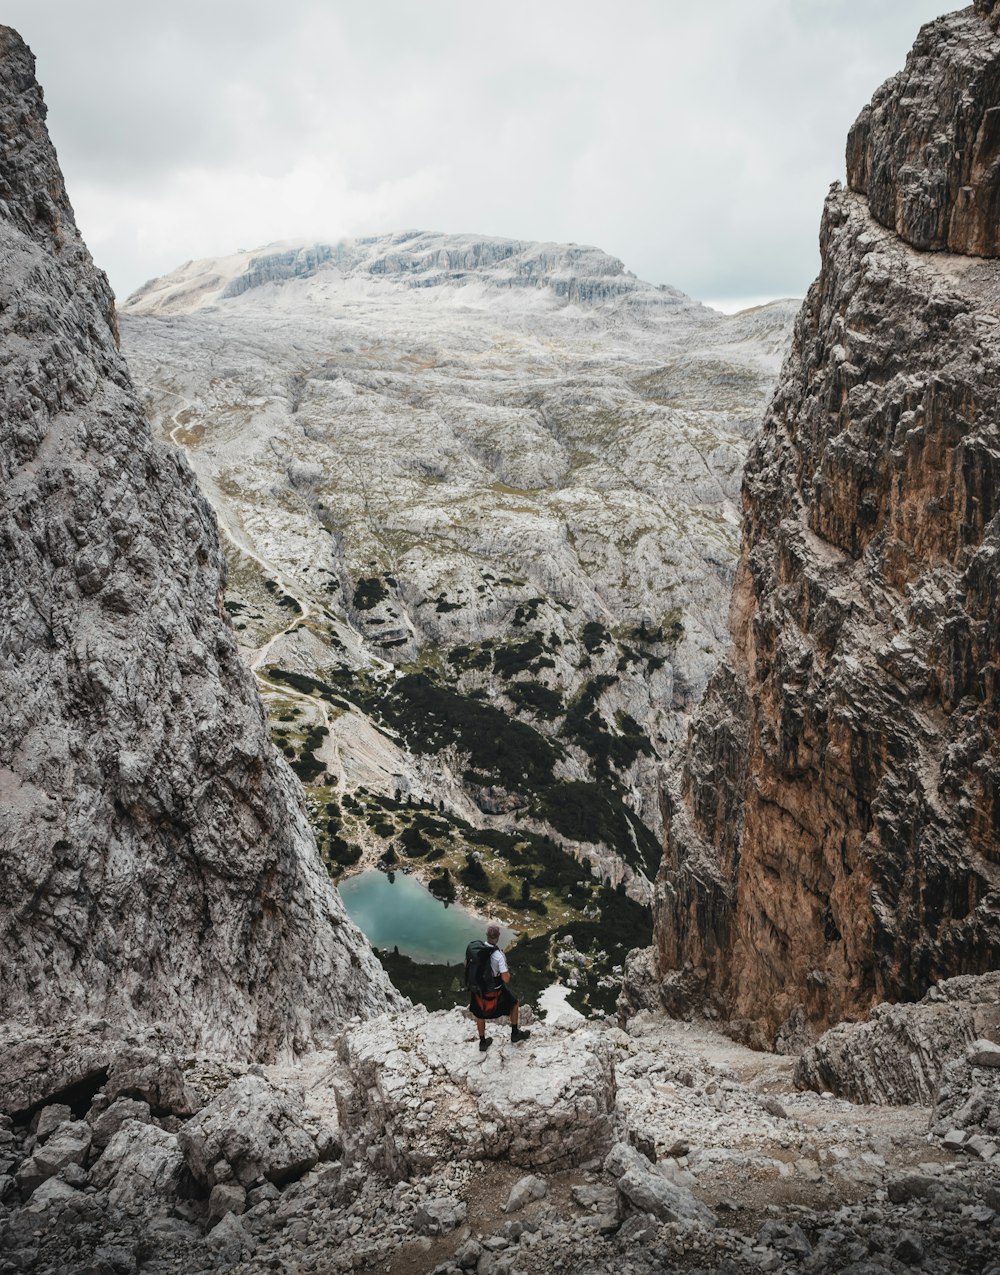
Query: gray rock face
(141, 1168)
(898, 1056)
(422, 1093)
(252, 1130)
(835, 825)
(157, 862)
(925, 151)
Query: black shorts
(505, 1004)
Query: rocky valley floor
(406, 1150)
(480, 502)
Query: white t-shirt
(498, 963)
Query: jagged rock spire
(926, 151)
(834, 835)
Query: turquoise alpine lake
(403, 913)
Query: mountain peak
(555, 274)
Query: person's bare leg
(513, 1016)
(481, 1027)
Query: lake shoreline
(402, 915)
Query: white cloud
(695, 142)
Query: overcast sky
(693, 140)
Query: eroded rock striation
(157, 860)
(899, 1055)
(834, 837)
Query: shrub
(474, 874)
(368, 593)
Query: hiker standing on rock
(487, 976)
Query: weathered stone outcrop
(157, 860)
(898, 1056)
(250, 1131)
(926, 151)
(834, 837)
(422, 1093)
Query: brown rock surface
(157, 862)
(834, 837)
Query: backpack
(479, 977)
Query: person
(507, 1003)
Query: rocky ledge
(408, 1150)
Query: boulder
(68, 1145)
(645, 1189)
(231, 1239)
(50, 1118)
(530, 1187)
(251, 1130)
(423, 1093)
(984, 1053)
(51, 1194)
(141, 1167)
(106, 1123)
(439, 1215)
(226, 1197)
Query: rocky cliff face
(926, 151)
(157, 860)
(834, 836)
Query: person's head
(493, 933)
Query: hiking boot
(516, 1035)
(484, 1043)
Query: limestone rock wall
(834, 835)
(927, 150)
(157, 863)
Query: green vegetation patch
(584, 811)
(442, 605)
(519, 657)
(432, 716)
(465, 658)
(595, 636)
(537, 698)
(527, 613)
(369, 592)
